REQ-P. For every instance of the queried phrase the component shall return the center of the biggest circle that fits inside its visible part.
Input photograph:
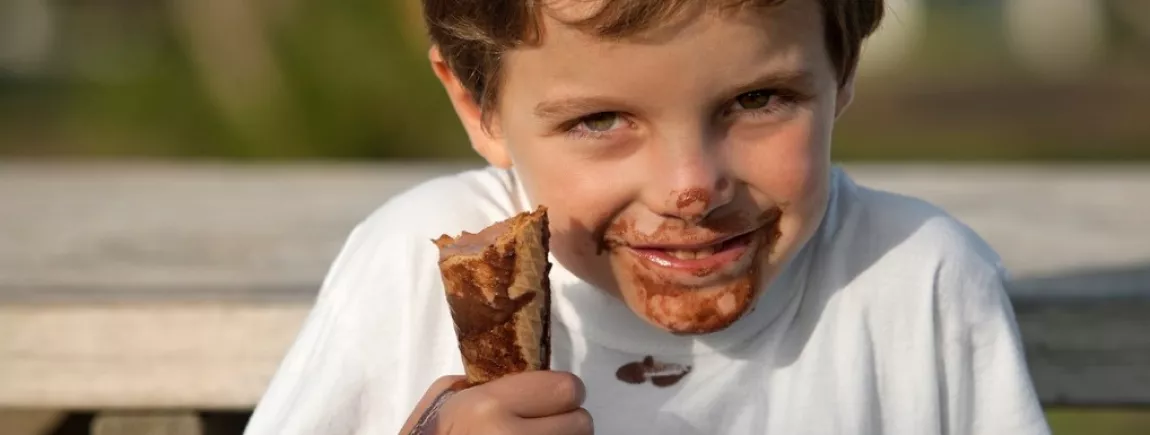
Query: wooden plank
(147, 355)
(1082, 351)
(29, 422)
(1087, 349)
(180, 286)
(1043, 219)
(226, 231)
(147, 423)
(177, 231)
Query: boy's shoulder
(394, 243)
(448, 204)
(894, 260)
(891, 236)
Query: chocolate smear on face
(686, 310)
(689, 197)
(683, 308)
(623, 232)
(660, 374)
(611, 237)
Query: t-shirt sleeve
(379, 332)
(321, 385)
(987, 387)
(318, 384)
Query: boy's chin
(694, 310)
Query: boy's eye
(600, 122)
(754, 100)
(600, 125)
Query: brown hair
(473, 34)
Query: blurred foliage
(963, 95)
(307, 79)
(342, 80)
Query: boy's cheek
(577, 247)
(579, 209)
(574, 238)
(789, 163)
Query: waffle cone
(497, 287)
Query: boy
(714, 273)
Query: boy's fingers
(436, 389)
(577, 422)
(538, 393)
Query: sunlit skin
(712, 134)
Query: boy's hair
(473, 34)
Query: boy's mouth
(698, 260)
(697, 279)
(695, 256)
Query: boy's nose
(690, 190)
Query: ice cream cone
(498, 289)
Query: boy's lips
(696, 262)
(697, 257)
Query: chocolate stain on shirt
(660, 374)
(632, 373)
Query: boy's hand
(530, 403)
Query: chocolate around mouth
(687, 309)
(623, 233)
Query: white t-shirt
(891, 320)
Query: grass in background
(1095, 421)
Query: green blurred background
(308, 79)
(273, 80)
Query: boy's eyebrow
(801, 79)
(567, 107)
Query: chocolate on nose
(693, 204)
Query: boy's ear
(845, 95)
(488, 144)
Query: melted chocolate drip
(479, 322)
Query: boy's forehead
(702, 56)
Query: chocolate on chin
(500, 297)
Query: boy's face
(681, 168)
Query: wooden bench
(149, 291)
